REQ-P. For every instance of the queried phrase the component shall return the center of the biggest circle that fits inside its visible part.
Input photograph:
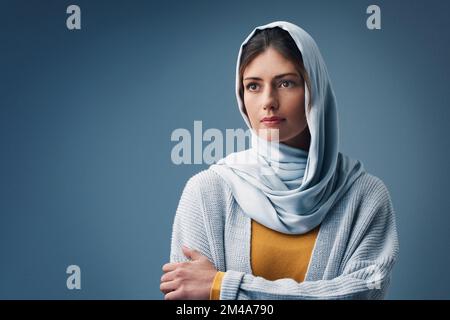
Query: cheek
(294, 104)
(252, 110)
(295, 111)
(249, 102)
(295, 96)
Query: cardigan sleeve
(364, 274)
(188, 226)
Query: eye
(287, 83)
(252, 86)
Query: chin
(269, 134)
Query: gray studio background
(86, 117)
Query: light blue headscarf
(284, 188)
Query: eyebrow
(276, 77)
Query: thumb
(191, 253)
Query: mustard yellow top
(275, 255)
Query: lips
(272, 122)
(273, 119)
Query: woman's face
(274, 88)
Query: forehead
(269, 63)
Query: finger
(168, 276)
(169, 266)
(174, 295)
(165, 291)
(191, 253)
(168, 286)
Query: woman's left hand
(190, 279)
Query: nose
(270, 100)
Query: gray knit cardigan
(353, 256)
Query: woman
(291, 217)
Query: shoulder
(209, 188)
(207, 199)
(367, 186)
(370, 203)
(371, 187)
(207, 181)
(368, 196)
